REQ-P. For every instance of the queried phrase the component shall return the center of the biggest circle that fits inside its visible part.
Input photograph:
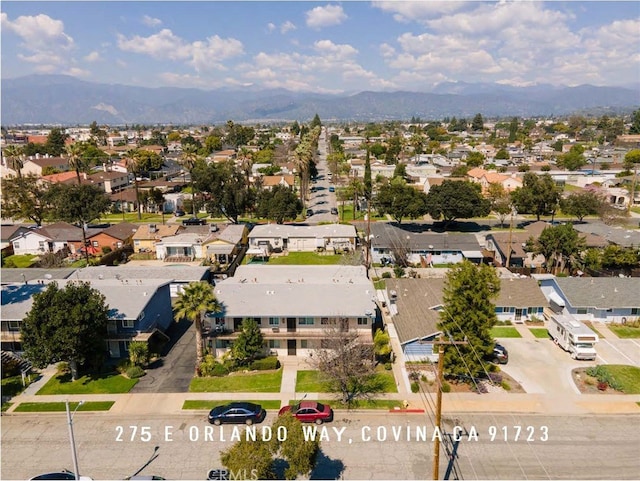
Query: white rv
(573, 336)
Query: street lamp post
(74, 456)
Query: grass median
(61, 406)
(239, 382)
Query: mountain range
(60, 99)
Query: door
(291, 347)
(291, 324)
(114, 349)
(518, 314)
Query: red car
(309, 412)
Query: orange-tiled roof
(60, 177)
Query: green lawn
(12, 386)
(627, 376)
(348, 214)
(6, 406)
(208, 405)
(310, 381)
(625, 332)
(539, 332)
(505, 331)
(20, 261)
(60, 406)
(306, 258)
(133, 217)
(112, 383)
(254, 382)
(380, 284)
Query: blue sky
(328, 47)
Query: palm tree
(131, 161)
(14, 154)
(188, 159)
(196, 299)
(74, 154)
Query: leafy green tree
(502, 154)
(475, 159)
(382, 344)
(249, 459)
(315, 122)
(400, 171)
(55, 144)
(226, 185)
(477, 123)
(66, 324)
(618, 257)
(581, 204)
(635, 122)
(574, 159)
(401, 200)
(377, 149)
(560, 245)
(212, 143)
(394, 147)
(195, 300)
(26, 197)
(279, 204)
(468, 314)
(454, 199)
(632, 159)
(539, 195)
(513, 129)
(249, 344)
(299, 453)
(75, 156)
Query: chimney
(152, 228)
(37, 155)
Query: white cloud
(92, 57)
(326, 16)
(201, 55)
(417, 11)
(150, 21)
(44, 41)
(77, 72)
(287, 27)
(339, 52)
(271, 26)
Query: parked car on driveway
(309, 412)
(309, 212)
(334, 210)
(237, 413)
(179, 213)
(332, 189)
(500, 354)
(194, 221)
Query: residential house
(147, 235)
(294, 305)
(270, 181)
(124, 201)
(113, 237)
(227, 243)
(604, 299)
(487, 177)
(36, 165)
(267, 238)
(223, 155)
(611, 234)
(109, 181)
(416, 307)
(186, 246)
(49, 238)
(419, 247)
(138, 310)
(8, 232)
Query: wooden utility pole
(436, 444)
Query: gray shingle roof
(166, 273)
(601, 292)
(617, 235)
(387, 235)
(313, 231)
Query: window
(274, 321)
(128, 323)
(118, 244)
(16, 245)
(363, 321)
(498, 310)
(258, 320)
(41, 245)
(274, 343)
(635, 311)
(305, 321)
(581, 310)
(304, 344)
(14, 325)
(95, 244)
(141, 316)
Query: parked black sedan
(237, 413)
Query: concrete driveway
(175, 369)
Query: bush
(265, 364)
(414, 375)
(386, 275)
(415, 387)
(446, 387)
(210, 367)
(423, 378)
(399, 271)
(134, 372)
(11, 386)
(106, 249)
(388, 366)
(63, 368)
(505, 385)
(123, 365)
(138, 353)
(604, 377)
(495, 377)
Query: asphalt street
(370, 446)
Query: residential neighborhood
(300, 240)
